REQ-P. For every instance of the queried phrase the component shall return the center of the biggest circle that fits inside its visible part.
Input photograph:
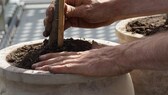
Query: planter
(122, 33)
(139, 27)
(18, 81)
(146, 82)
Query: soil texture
(27, 55)
(149, 25)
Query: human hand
(84, 14)
(102, 62)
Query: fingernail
(42, 57)
(38, 68)
(44, 34)
(50, 69)
(34, 66)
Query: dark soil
(27, 55)
(149, 25)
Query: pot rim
(121, 27)
(9, 72)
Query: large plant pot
(146, 82)
(17, 81)
(122, 33)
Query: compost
(27, 55)
(149, 25)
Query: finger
(76, 11)
(47, 31)
(51, 7)
(50, 14)
(48, 62)
(68, 53)
(71, 22)
(96, 45)
(45, 34)
(47, 56)
(67, 69)
(67, 24)
(79, 22)
(48, 26)
(72, 12)
(53, 55)
(67, 61)
(70, 2)
(44, 22)
(56, 60)
(77, 2)
(48, 20)
(44, 68)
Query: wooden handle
(61, 23)
(56, 37)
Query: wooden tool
(56, 37)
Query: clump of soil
(27, 55)
(149, 25)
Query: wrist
(138, 55)
(117, 9)
(125, 59)
(123, 8)
(119, 57)
(132, 8)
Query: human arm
(96, 13)
(81, 13)
(134, 8)
(149, 53)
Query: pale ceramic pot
(122, 33)
(146, 82)
(17, 81)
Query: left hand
(85, 14)
(107, 61)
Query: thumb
(72, 11)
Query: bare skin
(82, 13)
(149, 53)
(96, 62)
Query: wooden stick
(56, 37)
(61, 23)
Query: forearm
(133, 8)
(149, 53)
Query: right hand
(84, 14)
(101, 62)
